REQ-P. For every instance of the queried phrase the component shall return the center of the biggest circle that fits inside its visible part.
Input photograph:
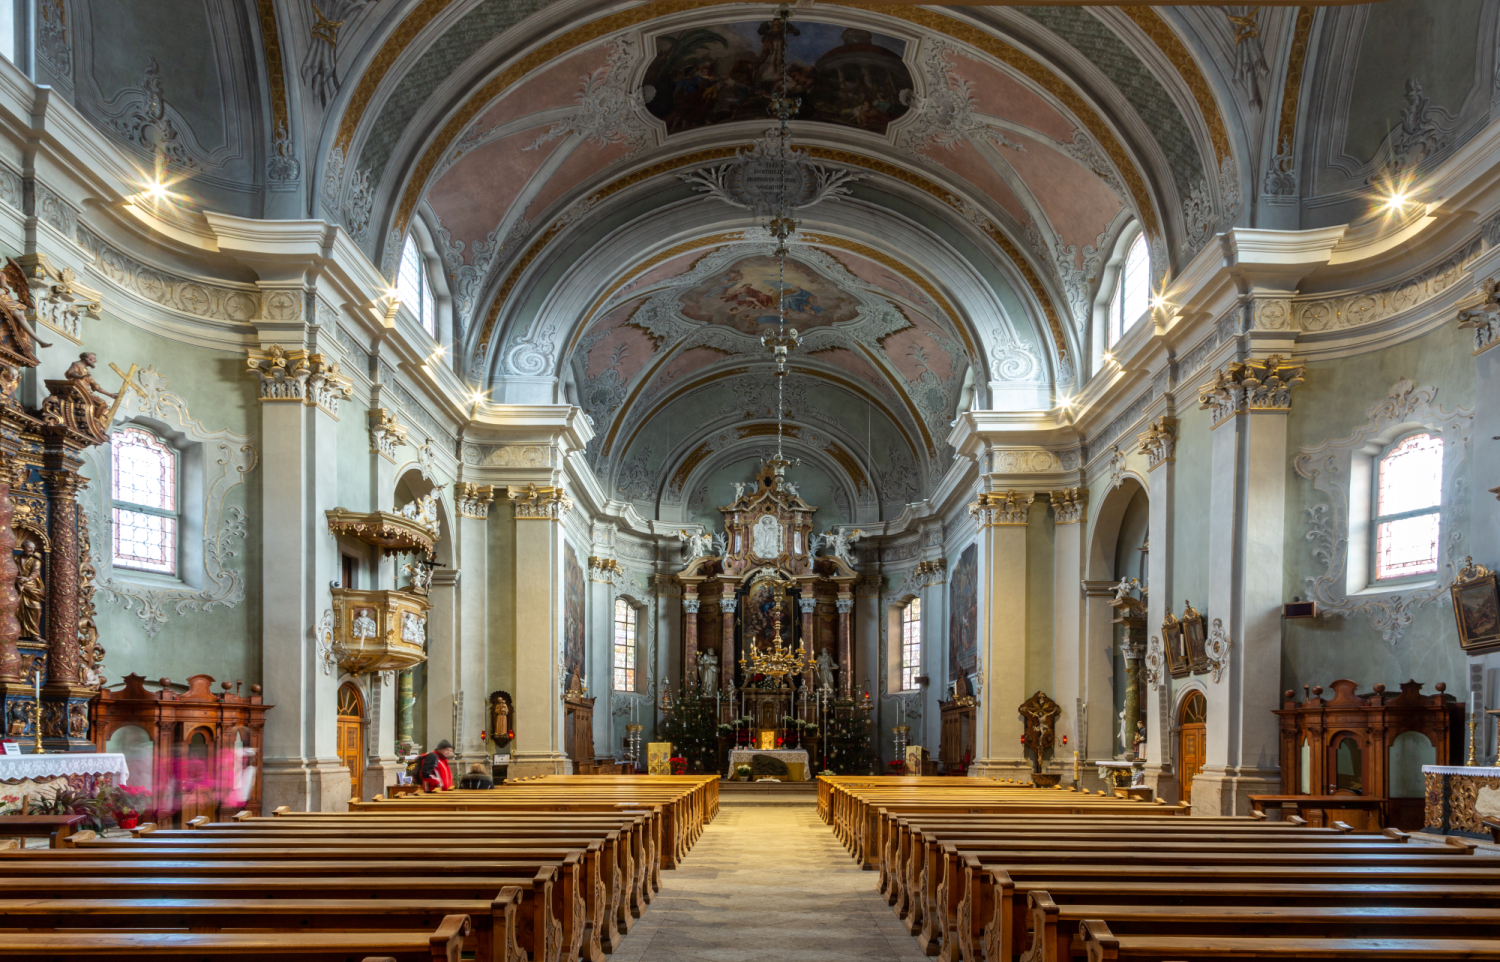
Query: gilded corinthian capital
(540, 503)
(1256, 385)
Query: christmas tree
(692, 729)
(848, 739)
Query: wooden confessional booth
(206, 747)
(1352, 744)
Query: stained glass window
(414, 289)
(1408, 489)
(911, 644)
(625, 620)
(1132, 291)
(143, 482)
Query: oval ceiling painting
(724, 73)
(744, 297)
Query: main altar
(768, 634)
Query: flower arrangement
(679, 765)
(125, 805)
(742, 772)
(10, 805)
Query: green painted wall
(1190, 497)
(222, 642)
(501, 597)
(1041, 545)
(1333, 402)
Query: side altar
(768, 633)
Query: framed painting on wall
(1178, 664)
(1194, 638)
(1476, 607)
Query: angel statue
(739, 489)
(840, 544)
(698, 545)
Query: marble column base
(1164, 784)
(1015, 768)
(305, 785)
(1227, 791)
(527, 764)
(380, 775)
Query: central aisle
(768, 882)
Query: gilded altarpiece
(48, 639)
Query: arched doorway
(352, 736)
(1192, 739)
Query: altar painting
(963, 612)
(729, 72)
(572, 612)
(745, 295)
(760, 621)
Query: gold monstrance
(778, 661)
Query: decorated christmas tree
(692, 729)
(848, 740)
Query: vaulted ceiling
(592, 179)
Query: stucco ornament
(752, 181)
(607, 110)
(697, 545)
(1154, 662)
(840, 544)
(413, 628)
(323, 639)
(1328, 464)
(766, 537)
(1217, 649)
(227, 458)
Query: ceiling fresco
(726, 72)
(752, 294)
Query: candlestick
(36, 712)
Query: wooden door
(197, 776)
(352, 737)
(1192, 740)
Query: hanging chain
(782, 226)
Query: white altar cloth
(1477, 772)
(38, 767)
(792, 756)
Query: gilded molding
(933, 572)
(1159, 442)
(540, 502)
(380, 64)
(1281, 180)
(1070, 505)
(299, 375)
(474, 500)
(385, 529)
(282, 168)
(1166, 40)
(994, 509)
(386, 434)
(1255, 385)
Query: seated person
(477, 777)
(433, 772)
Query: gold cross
(127, 380)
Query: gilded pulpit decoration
(386, 434)
(383, 529)
(540, 503)
(377, 630)
(1255, 385)
(299, 375)
(1070, 505)
(1484, 320)
(59, 302)
(424, 512)
(1038, 727)
(1159, 442)
(474, 500)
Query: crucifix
(127, 380)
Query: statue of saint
(708, 672)
(80, 372)
(364, 625)
(826, 666)
(1121, 734)
(1138, 743)
(31, 589)
(499, 719)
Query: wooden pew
(1056, 936)
(1103, 945)
(534, 929)
(493, 921)
(444, 945)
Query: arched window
(1408, 489)
(911, 644)
(624, 661)
(143, 486)
(1132, 290)
(415, 288)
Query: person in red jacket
(434, 773)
